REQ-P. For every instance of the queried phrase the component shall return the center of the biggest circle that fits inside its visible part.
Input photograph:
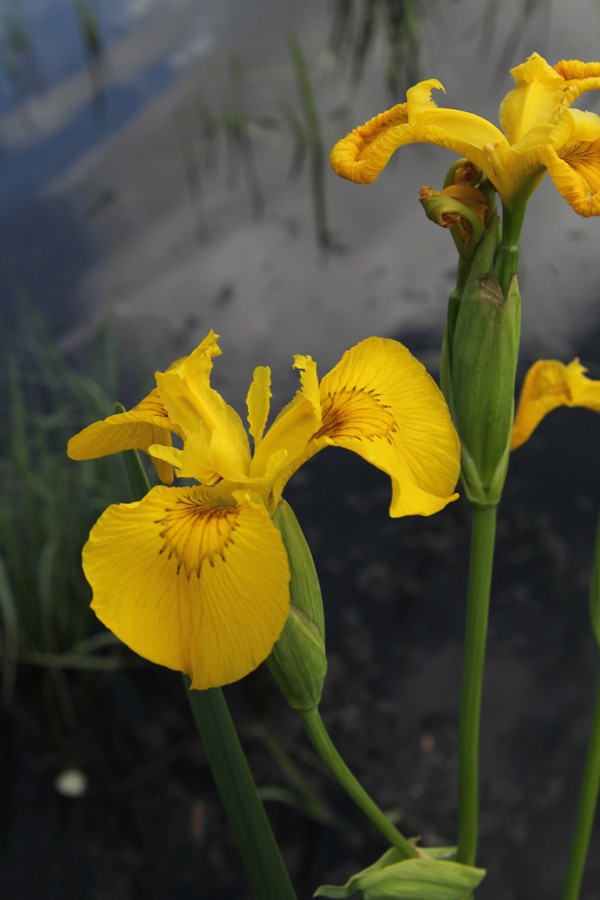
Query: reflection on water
(180, 195)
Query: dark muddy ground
(150, 826)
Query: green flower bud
(463, 171)
(298, 661)
(462, 209)
(483, 363)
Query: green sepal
(298, 661)
(484, 360)
(595, 590)
(425, 878)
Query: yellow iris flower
(548, 385)
(196, 578)
(541, 133)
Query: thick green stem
(588, 801)
(507, 256)
(243, 806)
(483, 536)
(319, 737)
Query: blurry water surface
(148, 155)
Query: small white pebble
(71, 783)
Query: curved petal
(380, 402)
(364, 153)
(578, 77)
(536, 100)
(191, 581)
(548, 385)
(573, 160)
(137, 429)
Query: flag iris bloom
(541, 133)
(196, 577)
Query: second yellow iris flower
(541, 133)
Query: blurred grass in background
(48, 503)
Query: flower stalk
(586, 811)
(321, 741)
(590, 783)
(483, 535)
(246, 814)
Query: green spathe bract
(484, 361)
(298, 661)
(410, 879)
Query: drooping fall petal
(365, 151)
(548, 385)
(573, 160)
(191, 582)
(136, 429)
(578, 77)
(380, 402)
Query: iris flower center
(196, 530)
(356, 414)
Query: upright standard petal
(381, 403)
(548, 385)
(191, 580)
(182, 387)
(136, 429)
(536, 100)
(215, 440)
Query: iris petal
(380, 402)
(548, 385)
(364, 153)
(136, 429)
(283, 448)
(536, 100)
(573, 161)
(191, 581)
(578, 77)
(215, 440)
(258, 402)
